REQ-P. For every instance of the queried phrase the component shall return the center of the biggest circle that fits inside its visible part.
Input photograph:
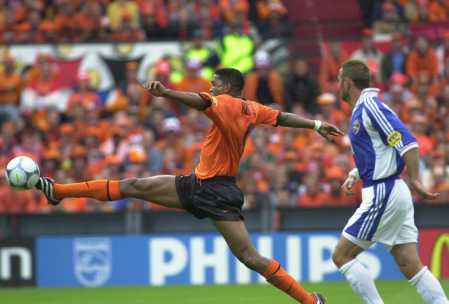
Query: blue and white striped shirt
(378, 138)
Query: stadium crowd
(131, 133)
(62, 21)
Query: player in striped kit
(382, 147)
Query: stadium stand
(119, 130)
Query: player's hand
(156, 88)
(419, 188)
(328, 130)
(348, 185)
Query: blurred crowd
(63, 21)
(131, 133)
(388, 16)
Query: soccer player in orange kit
(211, 191)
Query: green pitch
(392, 292)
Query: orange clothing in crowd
(329, 67)
(233, 118)
(417, 63)
(89, 100)
(131, 35)
(438, 12)
(339, 200)
(274, 82)
(19, 201)
(313, 201)
(10, 88)
(194, 84)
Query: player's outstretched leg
(407, 258)
(160, 189)
(362, 283)
(237, 238)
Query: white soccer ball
(22, 173)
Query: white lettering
(265, 247)
(6, 255)
(201, 260)
(319, 266)
(160, 269)
(294, 257)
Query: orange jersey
(233, 119)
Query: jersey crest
(394, 139)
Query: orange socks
(277, 276)
(102, 190)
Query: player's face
(343, 83)
(218, 86)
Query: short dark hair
(232, 76)
(358, 72)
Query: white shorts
(386, 216)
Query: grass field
(391, 291)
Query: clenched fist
(156, 88)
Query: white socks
(362, 282)
(429, 287)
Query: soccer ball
(22, 173)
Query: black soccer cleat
(319, 298)
(45, 184)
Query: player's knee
(250, 258)
(339, 258)
(409, 265)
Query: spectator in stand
(176, 155)
(438, 10)
(19, 202)
(90, 21)
(127, 32)
(66, 26)
(10, 90)
(422, 59)
(335, 196)
(84, 95)
(395, 60)
(443, 52)
(329, 110)
(138, 97)
(397, 94)
(332, 57)
(313, 195)
(205, 55)
(154, 17)
(420, 129)
(237, 49)
(123, 11)
(192, 80)
(300, 87)
(264, 83)
(390, 20)
(7, 26)
(368, 53)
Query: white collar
(368, 92)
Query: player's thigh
(345, 251)
(236, 236)
(407, 258)
(159, 189)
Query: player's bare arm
(411, 159)
(193, 100)
(325, 129)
